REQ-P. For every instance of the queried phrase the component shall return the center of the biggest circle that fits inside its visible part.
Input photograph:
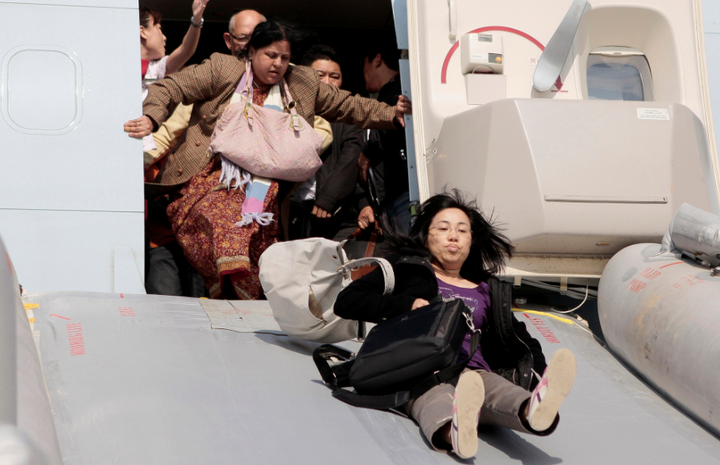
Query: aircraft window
(29, 88)
(619, 73)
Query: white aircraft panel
(70, 79)
(711, 23)
(73, 251)
(711, 16)
(712, 50)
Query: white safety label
(659, 114)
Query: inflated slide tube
(660, 313)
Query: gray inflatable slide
(95, 378)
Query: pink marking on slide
(671, 264)
(126, 311)
(76, 339)
(9, 263)
(636, 285)
(58, 316)
(650, 274)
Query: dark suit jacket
(336, 178)
(210, 86)
(389, 148)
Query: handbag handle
(369, 250)
(247, 95)
(247, 91)
(388, 274)
(290, 103)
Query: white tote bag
(302, 279)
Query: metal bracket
(563, 285)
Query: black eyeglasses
(241, 39)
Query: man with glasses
(242, 25)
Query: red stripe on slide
(671, 264)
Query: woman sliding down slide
(459, 252)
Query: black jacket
(336, 178)
(505, 343)
(389, 147)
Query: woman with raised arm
(225, 217)
(453, 251)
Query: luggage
(273, 144)
(302, 280)
(402, 357)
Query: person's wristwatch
(192, 21)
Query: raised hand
(198, 9)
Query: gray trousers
(501, 407)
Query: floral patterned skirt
(203, 219)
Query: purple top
(478, 300)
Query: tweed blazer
(210, 86)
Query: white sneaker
(554, 386)
(467, 402)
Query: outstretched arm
(186, 50)
(193, 84)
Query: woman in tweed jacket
(203, 216)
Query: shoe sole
(469, 397)
(560, 378)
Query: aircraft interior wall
(348, 42)
(346, 26)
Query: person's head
(380, 64)
(152, 40)
(242, 24)
(269, 51)
(455, 234)
(323, 59)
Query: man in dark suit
(326, 203)
(380, 69)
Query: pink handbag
(267, 142)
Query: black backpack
(401, 358)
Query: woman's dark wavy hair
(146, 14)
(271, 31)
(488, 251)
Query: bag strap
(387, 270)
(358, 273)
(290, 103)
(244, 86)
(388, 278)
(321, 356)
(372, 243)
(247, 91)
(372, 240)
(247, 94)
(388, 402)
